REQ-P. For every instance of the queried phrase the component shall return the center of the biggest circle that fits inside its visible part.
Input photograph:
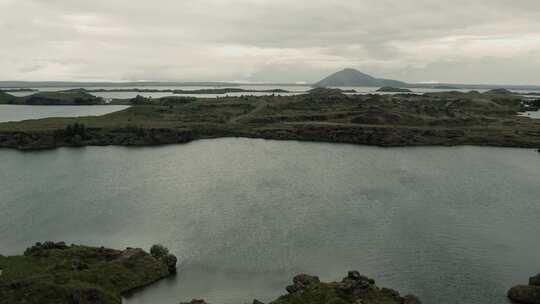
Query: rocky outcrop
(526, 294)
(353, 289)
(302, 282)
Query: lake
(450, 224)
(20, 112)
(292, 90)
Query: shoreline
(366, 136)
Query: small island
(56, 273)
(393, 90)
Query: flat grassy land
(450, 118)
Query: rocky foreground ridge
(353, 289)
(55, 273)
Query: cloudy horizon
(495, 41)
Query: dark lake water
(20, 112)
(452, 225)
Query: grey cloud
(268, 40)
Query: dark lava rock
(302, 282)
(535, 281)
(354, 282)
(525, 294)
(39, 247)
(171, 261)
(353, 289)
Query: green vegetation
(54, 273)
(448, 118)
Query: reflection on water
(453, 225)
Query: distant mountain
(355, 78)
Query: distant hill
(355, 78)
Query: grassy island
(327, 115)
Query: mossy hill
(54, 273)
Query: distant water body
(292, 90)
(19, 112)
(450, 224)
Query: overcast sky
(460, 41)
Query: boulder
(171, 261)
(354, 281)
(302, 282)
